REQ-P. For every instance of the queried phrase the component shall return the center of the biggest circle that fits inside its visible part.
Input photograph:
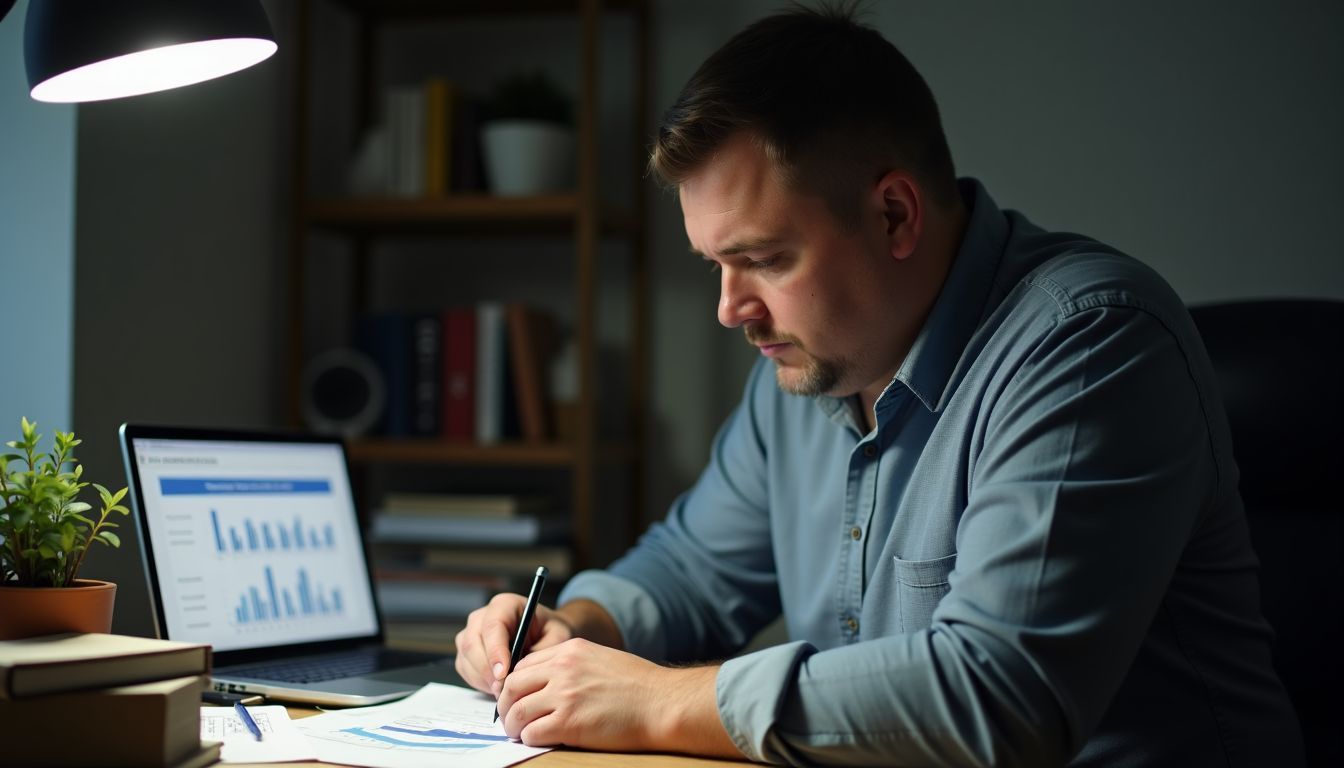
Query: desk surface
(560, 758)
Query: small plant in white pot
(45, 533)
(528, 137)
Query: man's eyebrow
(743, 246)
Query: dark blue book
(386, 338)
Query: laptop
(252, 544)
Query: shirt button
(855, 533)
(853, 624)
(870, 450)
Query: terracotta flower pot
(33, 611)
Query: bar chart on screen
(267, 602)
(281, 536)
(258, 554)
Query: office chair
(1280, 369)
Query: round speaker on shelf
(343, 393)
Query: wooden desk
(563, 757)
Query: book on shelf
(459, 373)
(146, 724)
(386, 338)
(465, 504)
(520, 530)
(427, 635)
(491, 372)
(426, 374)
(463, 373)
(527, 344)
(440, 127)
(426, 594)
(405, 117)
(74, 661)
(517, 562)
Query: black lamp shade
(83, 50)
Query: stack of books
(438, 557)
(103, 700)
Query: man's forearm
(591, 621)
(686, 719)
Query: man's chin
(804, 381)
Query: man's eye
(763, 263)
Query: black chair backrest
(1280, 368)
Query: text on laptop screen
(255, 544)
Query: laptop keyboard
(330, 667)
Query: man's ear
(901, 201)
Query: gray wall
(183, 209)
(1201, 138)
(37, 249)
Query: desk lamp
(90, 50)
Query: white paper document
(280, 741)
(437, 725)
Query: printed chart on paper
(436, 726)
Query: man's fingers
(522, 699)
(470, 662)
(501, 622)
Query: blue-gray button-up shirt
(1039, 555)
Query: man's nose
(737, 302)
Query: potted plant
(527, 136)
(45, 534)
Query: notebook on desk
(251, 543)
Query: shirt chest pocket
(920, 586)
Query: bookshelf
(588, 225)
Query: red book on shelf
(459, 373)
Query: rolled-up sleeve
(701, 583)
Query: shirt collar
(958, 311)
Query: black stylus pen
(533, 597)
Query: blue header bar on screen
(202, 486)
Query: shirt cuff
(633, 609)
(750, 692)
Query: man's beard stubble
(815, 377)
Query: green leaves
(44, 531)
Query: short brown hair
(830, 100)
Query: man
(989, 484)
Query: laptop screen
(251, 544)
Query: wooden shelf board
(429, 451)
(513, 215)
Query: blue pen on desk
(528, 611)
(246, 717)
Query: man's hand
(586, 695)
(484, 645)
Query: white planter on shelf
(528, 157)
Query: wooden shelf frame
(579, 215)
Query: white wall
(37, 213)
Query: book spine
(427, 346)
(491, 367)
(526, 366)
(459, 374)
(522, 530)
(439, 98)
(385, 337)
